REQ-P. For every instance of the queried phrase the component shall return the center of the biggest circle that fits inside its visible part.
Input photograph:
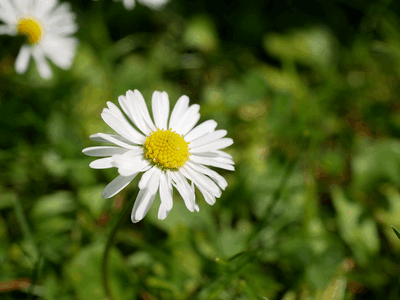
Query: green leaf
(360, 235)
(396, 231)
(85, 273)
(54, 204)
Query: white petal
(22, 61)
(60, 50)
(41, 63)
(160, 106)
(210, 199)
(179, 109)
(184, 189)
(7, 29)
(153, 4)
(104, 151)
(141, 103)
(219, 162)
(219, 144)
(188, 120)
(210, 173)
(146, 197)
(120, 125)
(116, 185)
(102, 163)
(196, 207)
(201, 130)
(207, 139)
(165, 191)
(146, 177)
(130, 162)
(129, 4)
(162, 212)
(125, 171)
(118, 142)
(95, 137)
(8, 13)
(135, 107)
(201, 180)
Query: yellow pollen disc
(167, 149)
(31, 28)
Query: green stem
(126, 209)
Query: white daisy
(153, 4)
(168, 153)
(47, 27)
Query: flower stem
(126, 209)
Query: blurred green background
(308, 90)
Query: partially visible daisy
(47, 27)
(168, 153)
(153, 4)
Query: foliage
(314, 111)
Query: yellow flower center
(31, 28)
(167, 149)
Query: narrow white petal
(130, 171)
(145, 198)
(8, 13)
(60, 50)
(95, 137)
(136, 108)
(118, 142)
(187, 120)
(162, 212)
(127, 102)
(165, 191)
(160, 106)
(104, 151)
(153, 4)
(201, 180)
(102, 163)
(207, 139)
(179, 109)
(218, 162)
(7, 29)
(130, 162)
(219, 144)
(116, 185)
(146, 177)
(201, 130)
(210, 199)
(141, 103)
(184, 189)
(196, 207)
(122, 127)
(41, 63)
(22, 61)
(210, 173)
(129, 4)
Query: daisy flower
(168, 152)
(153, 4)
(47, 27)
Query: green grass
(314, 112)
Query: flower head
(46, 26)
(169, 153)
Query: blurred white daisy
(168, 153)
(153, 4)
(47, 27)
